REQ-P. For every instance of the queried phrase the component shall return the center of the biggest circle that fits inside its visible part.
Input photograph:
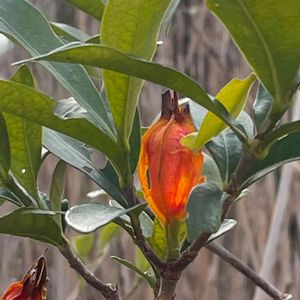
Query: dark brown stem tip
(170, 107)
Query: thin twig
(249, 273)
(109, 291)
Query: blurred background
(267, 235)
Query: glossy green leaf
(94, 8)
(69, 33)
(6, 195)
(226, 149)
(83, 244)
(57, 188)
(233, 96)
(131, 27)
(107, 233)
(70, 109)
(37, 38)
(4, 152)
(262, 106)
(108, 58)
(86, 218)
(25, 142)
(78, 155)
(283, 151)
(31, 105)
(204, 210)
(226, 225)
(211, 172)
(33, 223)
(268, 33)
(150, 279)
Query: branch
(109, 291)
(249, 273)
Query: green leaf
(25, 141)
(211, 172)
(141, 261)
(87, 218)
(4, 152)
(226, 149)
(33, 223)
(150, 279)
(108, 58)
(69, 33)
(6, 195)
(31, 105)
(233, 96)
(158, 240)
(135, 142)
(135, 33)
(37, 38)
(226, 225)
(169, 15)
(146, 224)
(262, 106)
(107, 233)
(76, 154)
(83, 244)
(94, 8)
(283, 151)
(204, 210)
(57, 188)
(268, 33)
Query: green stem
(173, 240)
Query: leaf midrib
(265, 46)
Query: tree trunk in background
(198, 45)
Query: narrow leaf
(24, 102)
(268, 33)
(25, 141)
(226, 225)
(233, 96)
(283, 151)
(76, 154)
(108, 58)
(37, 38)
(135, 33)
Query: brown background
(198, 45)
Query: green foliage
(25, 142)
(233, 96)
(108, 58)
(33, 223)
(94, 8)
(135, 33)
(283, 151)
(268, 33)
(147, 276)
(262, 106)
(76, 154)
(73, 78)
(88, 217)
(204, 210)
(226, 225)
